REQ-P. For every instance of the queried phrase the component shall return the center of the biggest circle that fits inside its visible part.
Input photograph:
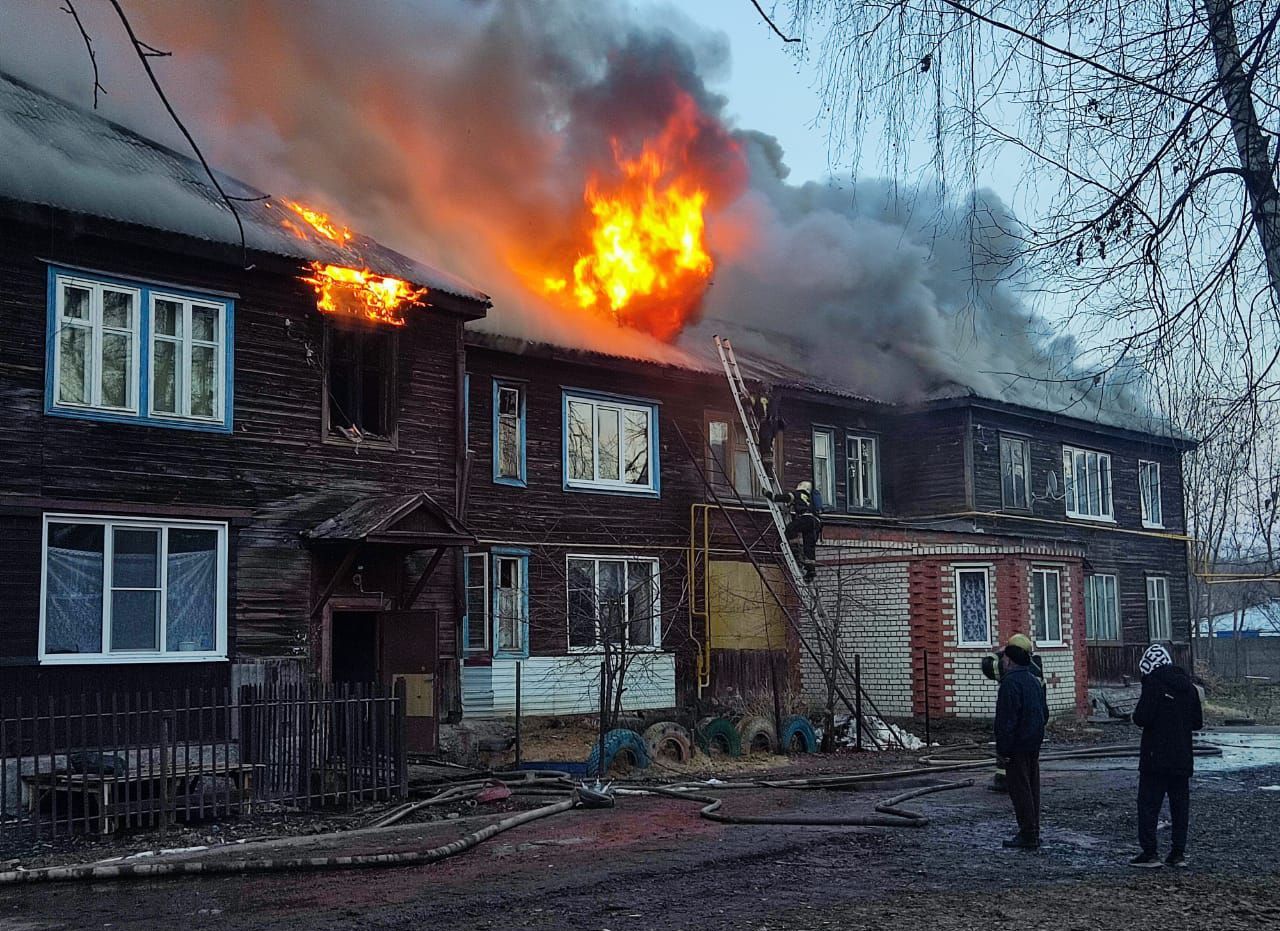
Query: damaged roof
(60, 155)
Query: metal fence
(99, 763)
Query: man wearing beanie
(1169, 713)
(1021, 715)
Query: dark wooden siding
(1124, 549)
(275, 470)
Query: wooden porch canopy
(406, 523)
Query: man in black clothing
(1169, 713)
(769, 424)
(805, 524)
(1022, 712)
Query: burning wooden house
(306, 452)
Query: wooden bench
(147, 790)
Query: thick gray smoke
(463, 133)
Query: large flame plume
(645, 262)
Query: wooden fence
(98, 763)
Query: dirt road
(652, 863)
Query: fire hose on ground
(888, 814)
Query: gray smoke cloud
(463, 133)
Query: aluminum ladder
(807, 591)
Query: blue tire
(798, 736)
(618, 741)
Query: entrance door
(354, 647)
(408, 654)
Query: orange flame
(644, 260)
(317, 221)
(357, 292)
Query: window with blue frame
(138, 353)
(509, 466)
(476, 622)
(610, 444)
(510, 604)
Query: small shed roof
(411, 520)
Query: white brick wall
(870, 605)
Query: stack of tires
(639, 745)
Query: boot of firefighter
(999, 782)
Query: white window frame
(956, 572)
(487, 647)
(108, 656)
(1040, 576)
(596, 559)
(825, 484)
(1025, 444)
(1093, 599)
(622, 407)
(1149, 520)
(182, 388)
(855, 500)
(1072, 497)
(1159, 623)
(95, 329)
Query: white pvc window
(1087, 477)
(96, 345)
(1046, 607)
(188, 339)
(824, 466)
(132, 590)
(1149, 487)
(1101, 608)
(1158, 623)
(973, 607)
(613, 599)
(864, 473)
(477, 603)
(609, 444)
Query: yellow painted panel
(742, 615)
(419, 694)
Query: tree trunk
(1251, 141)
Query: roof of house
(60, 155)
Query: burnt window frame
(392, 404)
(1006, 438)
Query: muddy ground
(653, 863)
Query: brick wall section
(894, 599)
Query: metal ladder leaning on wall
(807, 591)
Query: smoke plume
(464, 134)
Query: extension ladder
(807, 591)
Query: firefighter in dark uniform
(993, 669)
(805, 523)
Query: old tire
(758, 734)
(618, 742)
(668, 739)
(798, 736)
(718, 734)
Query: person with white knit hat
(1169, 713)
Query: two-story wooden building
(206, 463)
(951, 524)
(200, 465)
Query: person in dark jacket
(769, 424)
(1169, 713)
(805, 524)
(1022, 711)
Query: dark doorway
(354, 646)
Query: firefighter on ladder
(805, 523)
